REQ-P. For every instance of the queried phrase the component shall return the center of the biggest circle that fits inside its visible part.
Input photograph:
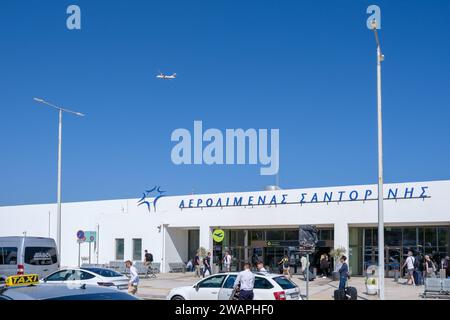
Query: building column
(206, 240)
(164, 268)
(341, 236)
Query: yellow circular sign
(218, 235)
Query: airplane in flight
(166, 77)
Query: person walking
(255, 260)
(446, 266)
(324, 265)
(207, 264)
(246, 280)
(227, 261)
(419, 268)
(261, 269)
(430, 268)
(134, 278)
(305, 266)
(284, 262)
(343, 273)
(148, 258)
(197, 265)
(409, 264)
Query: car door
(227, 288)
(263, 289)
(208, 289)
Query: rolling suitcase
(339, 294)
(349, 293)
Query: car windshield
(108, 273)
(284, 283)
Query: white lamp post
(380, 58)
(61, 110)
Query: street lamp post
(380, 58)
(58, 219)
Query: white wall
(176, 246)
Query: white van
(28, 255)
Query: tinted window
(64, 275)
(120, 248)
(104, 272)
(230, 282)
(40, 256)
(212, 282)
(261, 283)
(137, 249)
(98, 296)
(8, 255)
(284, 283)
(86, 275)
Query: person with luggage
(430, 268)
(345, 292)
(343, 273)
(409, 264)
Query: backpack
(416, 263)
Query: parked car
(220, 287)
(27, 255)
(92, 276)
(27, 287)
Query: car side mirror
(197, 287)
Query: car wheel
(177, 298)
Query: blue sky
(305, 67)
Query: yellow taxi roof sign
(22, 280)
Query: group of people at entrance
(419, 268)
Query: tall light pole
(58, 220)
(380, 58)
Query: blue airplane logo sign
(155, 193)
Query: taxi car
(27, 287)
(220, 287)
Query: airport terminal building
(261, 223)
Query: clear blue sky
(305, 67)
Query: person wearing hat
(134, 277)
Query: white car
(220, 287)
(93, 276)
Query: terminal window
(120, 245)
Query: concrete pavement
(319, 289)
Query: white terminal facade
(262, 223)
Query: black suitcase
(349, 293)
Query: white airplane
(166, 77)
